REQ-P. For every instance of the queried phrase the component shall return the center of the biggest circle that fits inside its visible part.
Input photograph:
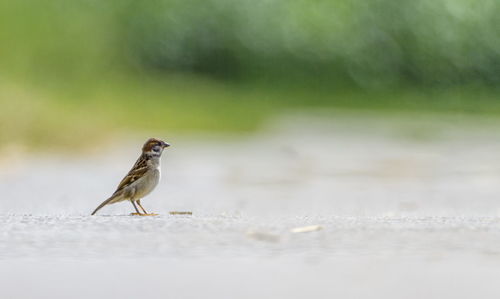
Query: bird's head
(154, 147)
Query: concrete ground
(393, 208)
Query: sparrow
(141, 179)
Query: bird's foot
(144, 214)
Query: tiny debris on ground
(180, 213)
(306, 229)
(263, 236)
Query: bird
(141, 179)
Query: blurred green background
(78, 71)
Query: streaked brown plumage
(141, 179)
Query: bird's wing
(138, 171)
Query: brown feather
(149, 144)
(138, 170)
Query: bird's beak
(165, 144)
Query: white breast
(146, 184)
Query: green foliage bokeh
(74, 71)
(364, 43)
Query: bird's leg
(136, 209)
(145, 213)
(140, 206)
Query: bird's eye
(156, 149)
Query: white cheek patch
(153, 153)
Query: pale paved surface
(401, 217)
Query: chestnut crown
(154, 145)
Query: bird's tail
(108, 201)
